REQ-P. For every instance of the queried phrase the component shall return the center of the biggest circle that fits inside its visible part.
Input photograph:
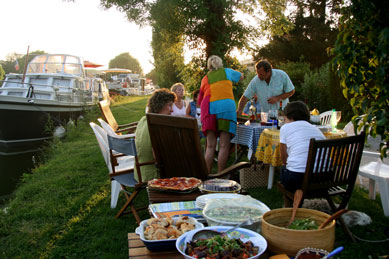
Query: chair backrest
(325, 118)
(101, 137)
(107, 127)
(176, 145)
(333, 162)
(107, 114)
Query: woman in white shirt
(295, 136)
(179, 107)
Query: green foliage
(126, 61)
(152, 75)
(2, 73)
(297, 72)
(362, 62)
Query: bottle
(333, 120)
(253, 112)
(280, 116)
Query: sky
(80, 28)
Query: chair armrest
(126, 136)
(231, 169)
(128, 130)
(128, 125)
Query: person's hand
(272, 100)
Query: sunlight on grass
(91, 203)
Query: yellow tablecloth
(268, 150)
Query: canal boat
(53, 90)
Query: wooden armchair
(110, 119)
(177, 149)
(332, 164)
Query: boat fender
(59, 132)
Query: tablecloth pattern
(248, 135)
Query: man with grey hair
(271, 87)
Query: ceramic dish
(241, 233)
(220, 186)
(160, 245)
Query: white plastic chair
(111, 132)
(125, 163)
(325, 117)
(377, 171)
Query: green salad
(304, 224)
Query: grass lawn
(62, 209)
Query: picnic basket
(256, 175)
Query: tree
(362, 63)
(2, 73)
(210, 23)
(126, 61)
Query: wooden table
(137, 250)
(268, 150)
(159, 197)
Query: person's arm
(277, 98)
(242, 102)
(284, 153)
(188, 110)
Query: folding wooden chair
(332, 165)
(177, 149)
(110, 119)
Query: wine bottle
(253, 112)
(280, 121)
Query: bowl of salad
(239, 242)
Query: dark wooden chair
(177, 149)
(110, 119)
(332, 169)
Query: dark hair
(195, 93)
(159, 99)
(263, 63)
(297, 111)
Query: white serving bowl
(160, 245)
(241, 233)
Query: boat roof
(56, 64)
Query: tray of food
(175, 184)
(159, 234)
(220, 185)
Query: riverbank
(62, 209)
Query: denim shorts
(291, 180)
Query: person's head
(297, 111)
(214, 62)
(178, 89)
(161, 101)
(195, 94)
(263, 69)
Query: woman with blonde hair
(179, 107)
(218, 110)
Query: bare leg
(210, 150)
(224, 150)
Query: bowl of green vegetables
(303, 232)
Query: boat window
(53, 68)
(72, 60)
(74, 69)
(59, 59)
(35, 68)
(39, 59)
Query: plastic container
(234, 211)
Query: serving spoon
(298, 195)
(208, 233)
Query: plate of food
(219, 186)
(245, 243)
(175, 184)
(160, 234)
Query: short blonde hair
(214, 62)
(175, 86)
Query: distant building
(249, 63)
